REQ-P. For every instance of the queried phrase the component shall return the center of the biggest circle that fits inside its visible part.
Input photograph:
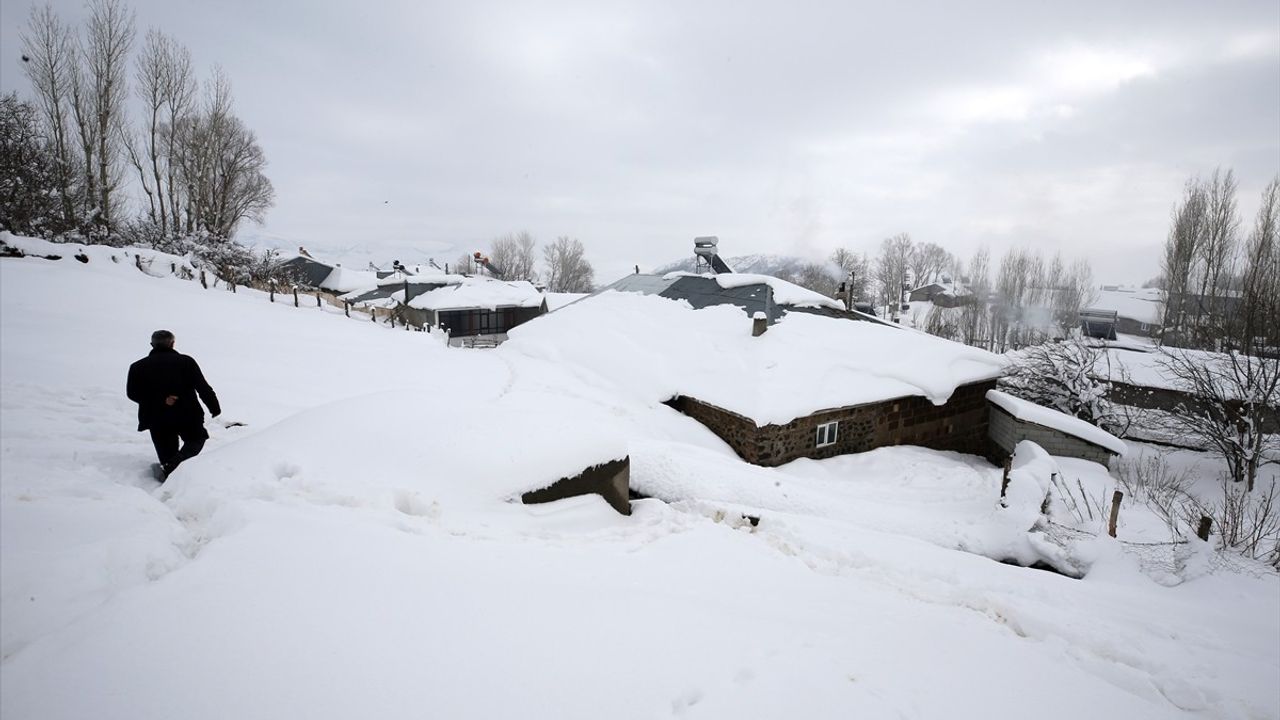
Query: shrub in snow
(1248, 522)
(1064, 376)
(1236, 396)
(1152, 481)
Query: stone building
(1013, 420)
(818, 381)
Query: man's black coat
(163, 373)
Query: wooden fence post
(1206, 525)
(1115, 513)
(203, 284)
(1004, 483)
(273, 291)
(295, 296)
(173, 268)
(346, 308)
(317, 298)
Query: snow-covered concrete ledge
(1057, 432)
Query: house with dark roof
(778, 372)
(463, 306)
(818, 381)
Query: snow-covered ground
(355, 550)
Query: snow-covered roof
(479, 293)
(660, 348)
(784, 293)
(1141, 304)
(1060, 421)
(345, 280)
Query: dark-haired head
(162, 339)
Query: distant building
(943, 293)
(1134, 311)
(460, 305)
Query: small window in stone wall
(827, 434)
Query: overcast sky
(424, 129)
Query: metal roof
(306, 271)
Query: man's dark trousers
(166, 439)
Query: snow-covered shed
(820, 381)
(312, 273)
(1014, 420)
(463, 305)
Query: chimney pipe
(759, 323)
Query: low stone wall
(960, 425)
(610, 480)
(1168, 400)
(1007, 431)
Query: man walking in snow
(165, 384)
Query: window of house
(827, 434)
(1144, 327)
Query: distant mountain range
(783, 266)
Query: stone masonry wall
(960, 425)
(1007, 431)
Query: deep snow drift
(355, 551)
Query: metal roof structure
(307, 271)
(703, 291)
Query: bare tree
(928, 262)
(49, 46)
(221, 166)
(1022, 316)
(975, 318)
(1256, 325)
(179, 95)
(1072, 290)
(154, 84)
(892, 268)
(816, 277)
(855, 271)
(108, 37)
(1234, 408)
(1180, 252)
(567, 268)
(513, 253)
(1200, 264)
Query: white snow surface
(784, 293)
(1057, 420)
(355, 550)
(345, 280)
(1141, 304)
(658, 348)
(479, 293)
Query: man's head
(162, 339)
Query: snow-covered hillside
(355, 550)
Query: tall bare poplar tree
(105, 52)
(49, 45)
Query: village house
(779, 372)
(943, 293)
(1124, 311)
(463, 306)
